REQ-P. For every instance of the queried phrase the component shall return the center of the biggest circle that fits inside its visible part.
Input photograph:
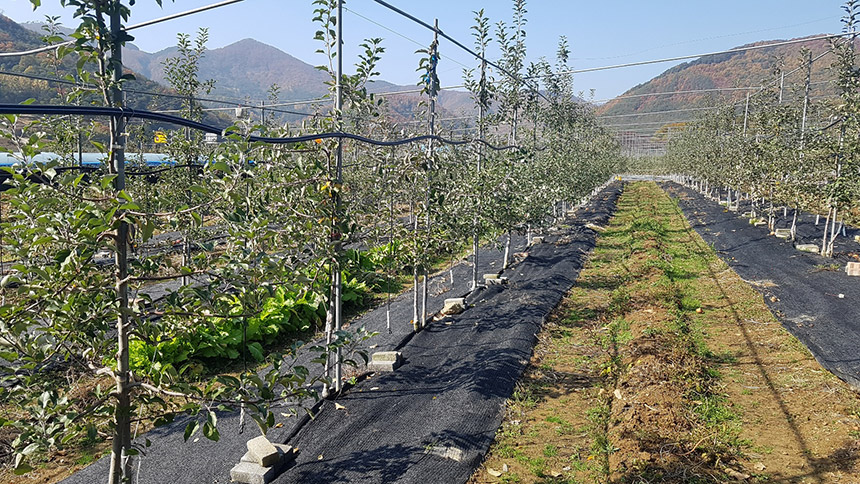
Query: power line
(388, 93)
(672, 93)
(132, 27)
(693, 109)
(374, 22)
(458, 44)
(149, 93)
(703, 39)
(694, 56)
(696, 91)
(183, 14)
(657, 112)
(284, 111)
(648, 123)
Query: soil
(663, 365)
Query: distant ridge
(741, 69)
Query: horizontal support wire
(155, 94)
(41, 110)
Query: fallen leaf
(320, 457)
(338, 406)
(493, 472)
(617, 394)
(278, 425)
(374, 388)
(759, 466)
(504, 468)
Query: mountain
(15, 88)
(247, 69)
(16, 35)
(244, 69)
(732, 70)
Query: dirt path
(662, 365)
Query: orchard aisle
(432, 420)
(663, 365)
(802, 289)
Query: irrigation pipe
(35, 109)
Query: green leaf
(33, 447)
(146, 230)
(220, 166)
(256, 351)
(21, 469)
(9, 356)
(191, 429)
(210, 428)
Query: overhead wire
(517, 78)
(130, 27)
(757, 89)
(419, 44)
(150, 93)
(703, 39)
(692, 56)
(646, 113)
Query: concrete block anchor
(454, 306)
(494, 279)
(782, 233)
(853, 269)
(249, 469)
(807, 248)
(385, 361)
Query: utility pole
(746, 114)
(120, 468)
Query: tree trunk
(120, 466)
(823, 250)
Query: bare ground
(662, 365)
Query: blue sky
(600, 32)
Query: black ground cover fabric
(469, 366)
(433, 420)
(799, 287)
